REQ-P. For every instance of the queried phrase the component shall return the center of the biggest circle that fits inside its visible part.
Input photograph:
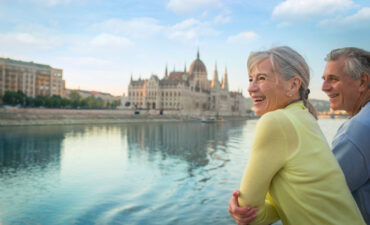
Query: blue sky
(100, 43)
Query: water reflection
(142, 173)
(195, 143)
(29, 148)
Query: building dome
(197, 66)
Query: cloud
(51, 3)
(223, 17)
(190, 29)
(110, 42)
(298, 10)
(189, 6)
(361, 19)
(137, 27)
(86, 62)
(242, 37)
(20, 41)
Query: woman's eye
(261, 78)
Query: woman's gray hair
(289, 64)
(357, 60)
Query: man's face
(343, 92)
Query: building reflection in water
(29, 147)
(194, 142)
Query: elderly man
(347, 84)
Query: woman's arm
(268, 155)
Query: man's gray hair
(357, 60)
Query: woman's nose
(252, 86)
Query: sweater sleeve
(352, 162)
(268, 155)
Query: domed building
(187, 92)
(198, 73)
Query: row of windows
(155, 94)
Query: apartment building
(31, 78)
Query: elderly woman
(291, 174)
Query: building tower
(215, 84)
(225, 83)
(198, 73)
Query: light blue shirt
(351, 146)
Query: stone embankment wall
(31, 116)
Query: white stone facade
(187, 93)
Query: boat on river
(212, 120)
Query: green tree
(21, 98)
(39, 101)
(65, 103)
(99, 103)
(116, 103)
(30, 101)
(9, 98)
(75, 99)
(91, 102)
(15, 98)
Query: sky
(100, 44)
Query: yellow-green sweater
(292, 175)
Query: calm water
(143, 173)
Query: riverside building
(31, 78)
(187, 92)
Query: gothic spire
(166, 72)
(225, 83)
(198, 54)
(215, 83)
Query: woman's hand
(241, 215)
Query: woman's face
(267, 88)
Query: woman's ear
(295, 84)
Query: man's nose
(325, 86)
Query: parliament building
(187, 92)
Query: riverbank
(34, 116)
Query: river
(140, 173)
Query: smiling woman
(265, 88)
(278, 79)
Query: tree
(10, 98)
(54, 101)
(21, 98)
(91, 102)
(15, 98)
(99, 103)
(75, 98)
(65, 103)
(39, 101)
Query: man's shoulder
(364, 114)
(356, 131)
(361, 121)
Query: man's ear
(364, 82)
